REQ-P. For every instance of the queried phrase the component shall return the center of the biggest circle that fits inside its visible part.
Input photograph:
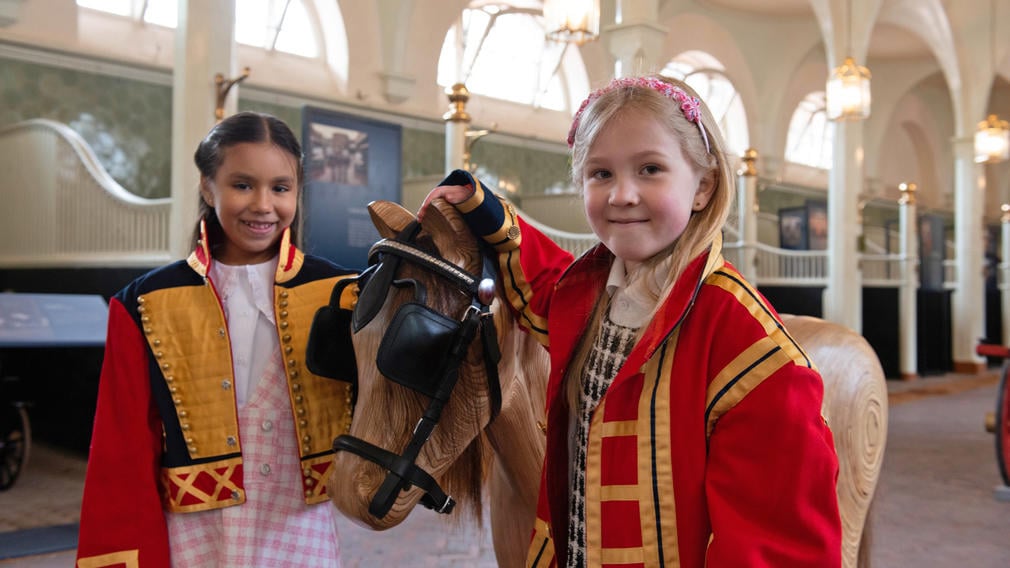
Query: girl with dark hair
(211, 443)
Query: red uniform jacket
(166, 425)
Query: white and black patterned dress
(609, 352)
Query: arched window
(707, 76)
(499, 49)
(273, 25)
(811, 134)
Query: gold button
(309, 482)
(288, 349)
(284, 325)
(157, 343)
(183, 413)
(301, 411)
(231, 441)
(286, 338)
(148, 330)
(146, 319)
(309, 493)
(306, 438)
(141, 300)
(220, 331)
(169, 379)
(303, 423)
(296, 386)
(284, 303)
(235, 495)
(513, 233)
(307, 472)
(292, 363)
(141, 309)
(226, 384)
(299, 398)
(159, 354)
(192, 450)
(284, 313)
(306, 448)
(177, 401)
(172, 389)
(189, 440)
(184, 425)
(284, 294)
(165, 366)
(294, 373)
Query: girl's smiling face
(639, 189)
(254, 195)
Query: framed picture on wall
(350, 161)
(793, 228)
(817, 224)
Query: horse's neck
(515, 434)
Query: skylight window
(274, 25)
(707, 77)
(499, 50)
(811, 135)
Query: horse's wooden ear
(451, 235)
(389, 218)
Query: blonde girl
(684, 425)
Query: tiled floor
(935, 504)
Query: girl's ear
(205, 193)
(705, 191)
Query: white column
(457, 120)
(747, 211)
(204, 43)
(907, 306)
(843, 298)
(968, 302)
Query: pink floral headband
(690, 106)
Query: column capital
(397, 87)
(749, 160)
(631, 40)
(458, 96)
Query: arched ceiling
(766, 7)
(887, 41)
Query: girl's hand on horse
(454, 194)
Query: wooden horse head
(402, 371)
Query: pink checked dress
(274, 527)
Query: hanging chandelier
(992, 141)
(848, 88)
(848, 92)
(572, 21)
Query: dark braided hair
(238, 129)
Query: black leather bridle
(421, 350)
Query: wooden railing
(62, 209)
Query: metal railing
(61, 208)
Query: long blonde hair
(705, 150)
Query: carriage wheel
(14, 445)
(1003, 426)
